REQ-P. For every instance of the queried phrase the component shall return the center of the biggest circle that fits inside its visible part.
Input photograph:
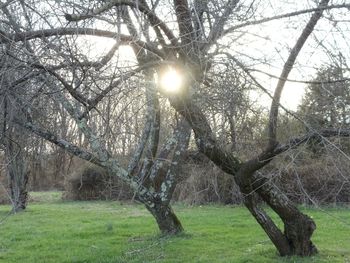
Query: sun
(171, 81)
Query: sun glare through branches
(170, 81)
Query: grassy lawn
(55, 231)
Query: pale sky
(266, 47)
(271, 42)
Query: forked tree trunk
(298, 227)
(167, 221)
(273, 232)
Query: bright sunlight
(170, 81)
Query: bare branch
(204, 136)
(300, 81)
(218, 28)
(286, 70)
(153, 18)
(123, 39)
(92, 13)
(184, 22)
(296, 13)
(67, 146)
(295, 142)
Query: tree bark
(298, 227)
(167, 221)
(17, 177)
(267, 224)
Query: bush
(304, 177)
(308, 178)
(315, 183)
(202, 182)
(4, 195)
(91, 182)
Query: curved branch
(218, 28)
(300, 81)
(64, 31)
(112, 165)
(295, 142)
(74, 92)
(91, 13)
(296, 13)
(184, 22)
(69, 147)
(204, 136)
(153, 18)
(93, 102)
(286, 70)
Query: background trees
(326, 102)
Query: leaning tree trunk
(17, 176)
(167, 221)
(298, 227)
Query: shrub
(91, 182)
(306, 178)
(4, 195)
(202, 182)
(318, 181)
(309, 177)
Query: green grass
(47, 197)
(56, 231)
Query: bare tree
(13, 142)
(190, 45)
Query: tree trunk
(18, 177)
(19, 194)
(273, 232)
(298, 228)
(167, 221)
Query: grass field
(55, 231)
